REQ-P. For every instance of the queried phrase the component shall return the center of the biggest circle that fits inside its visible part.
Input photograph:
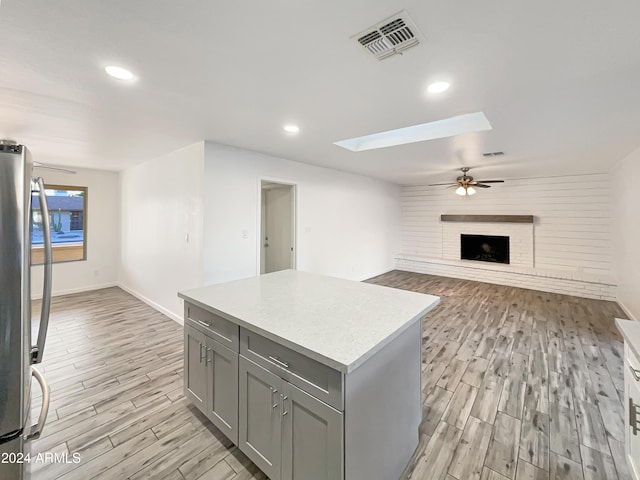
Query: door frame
(294, 217)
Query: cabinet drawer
(632, 359)
(317, 379)
(214, 326)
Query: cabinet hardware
(204, 324)
(284, 399)
(279, 362)
(274, 404)
(207, 355)
(201, 350)
(635, 373)
(634, 421)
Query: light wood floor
(517, 384)
(114, 366)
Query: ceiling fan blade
(454, 185)
(439, 184)
(482, 186)
(491, 181)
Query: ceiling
(559, 82)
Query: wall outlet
(245, 233)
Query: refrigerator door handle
(38, 349)
(36, 430)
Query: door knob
(266, 245)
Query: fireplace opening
(484, 248)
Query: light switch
(245, 233)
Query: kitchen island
(312, 377)
(630, 330)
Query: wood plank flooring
(114, 366)
(517, 384)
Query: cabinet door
(222, 385)
(260, 420)
(632, 407)
(195, 367)
(312, 438)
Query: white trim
(152, 304)
(625, 310)
(69, 291)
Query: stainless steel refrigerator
(17, 353)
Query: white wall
(572, 234)
(100, 269)
(347, 225)
(161, 204)
(627, 232)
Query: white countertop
(340, 323)
(630, 330)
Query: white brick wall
(567, 249)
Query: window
(68, 218)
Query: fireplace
(484, 248)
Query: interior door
(278, 239)
(312, 437)
(260, 421)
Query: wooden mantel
(488, 218)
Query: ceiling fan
(466, 184)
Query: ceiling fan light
(462, 191)
(471, 191)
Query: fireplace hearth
(484, 248)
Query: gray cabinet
(312, 434)
(260, 417)
(275, 416)
(632, 409)
(211, 380)
(195, 367)
(222, 388)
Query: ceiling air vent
(390, 36)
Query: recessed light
(438, 87)
(291, 128)
(119, 72)
(448, 127)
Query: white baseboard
(69, 291)
(153, 304)
(626, 310)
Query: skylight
(449, 127)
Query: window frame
(48, 186)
